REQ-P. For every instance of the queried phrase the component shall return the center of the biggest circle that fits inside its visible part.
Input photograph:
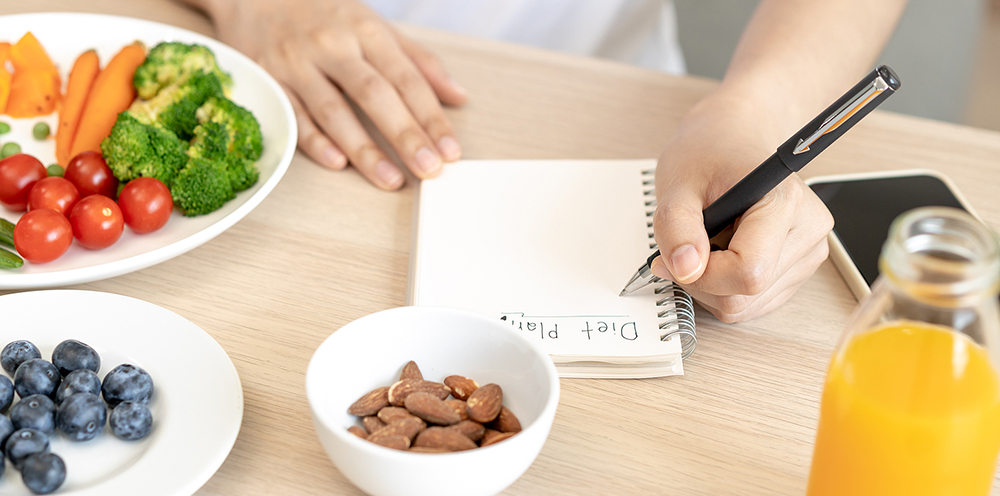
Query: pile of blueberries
(64, 395)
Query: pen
(790, 157)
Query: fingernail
(334, 158)
(427, 160)
(659, 269)
(450, 148)
(685, 263)
(457, 87)
(389, 173)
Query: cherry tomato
(146, 204)
(97, 222)
(90, 174)
(42, 235)
(53, 192)
(18, 173)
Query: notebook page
(545, 246)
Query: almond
(399, 391)
(461, 387)
(489, 434)
(472, 429)
(502, 436)
(394, 441)
(441, 437)
(393, 414)
(425, 449)
(370, 403)
(484, 403)
(372, 423)
(357, 431)
(409, 427)
(459, 407)
(411, 371)
(431, 408)
(506, 421)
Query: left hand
(777, 244)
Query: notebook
(546, 246)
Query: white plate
(197, 400)
(64, 37)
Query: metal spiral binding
(677, 306)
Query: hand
(777, 244)
(326, 51)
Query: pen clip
(836, 119)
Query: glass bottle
(911, 403)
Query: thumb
(679, 229)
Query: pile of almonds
(416, 415)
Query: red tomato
(146, 204)
(53, 192)
(97, 222)
(90, 174)
(18, 173)
(42, 235)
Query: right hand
(325, 51)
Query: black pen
(790, 157)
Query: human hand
(325, 51)
(777, 244)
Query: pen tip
(622, 293)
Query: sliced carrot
(33, 93)
(81, 78)
(4, 76)
(28, 54)
(111, 94)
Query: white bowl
(371, 351)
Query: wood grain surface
(326, 248)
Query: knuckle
(410, 138)
(370, 88)
(732, 309)
(329, 110)
(409, 82)
(366, 153)
(368, 28)
(752, 280)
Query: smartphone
(864, 206)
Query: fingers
(449, 91)
(680, 233)
(311, 140)
(389, 59)
(336, 118)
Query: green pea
(40, 131)
(9, 149)
(55, 170)
(4, 128)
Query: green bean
(10, 260)
(9, 148)
(40, 131)
(6, 232)
(4, 128)
(55, 170)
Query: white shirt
(641, 32)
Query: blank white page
(545, 246)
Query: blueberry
(25, 442)
(6, 393)
(130, 421)
(34, 412)
(16, 353)
(82, 416)
(6, 429)
(43, 473)
(78, 381)
(36, 376)
(127, 383)
(73, 355)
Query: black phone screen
(863, 209)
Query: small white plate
(197, 400)
(65, 36)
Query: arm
(327, 54)
(794, 59)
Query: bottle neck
(942, 257)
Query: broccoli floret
(171, 62)
(134, 149)
(244, 130)
(174, 107)
(212, 142)
(202, 187)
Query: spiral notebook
(545, 246)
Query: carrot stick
(81, 78)
(111, 94)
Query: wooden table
(326, 248)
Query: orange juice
(910, 409)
